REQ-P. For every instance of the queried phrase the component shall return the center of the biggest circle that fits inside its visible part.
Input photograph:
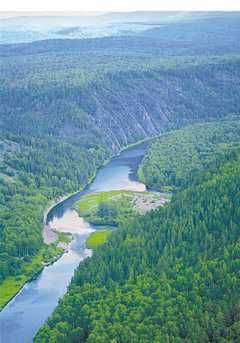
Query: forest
(63, 113)
(169, 276)
(67, 106)
(175, 156)
(33, 172)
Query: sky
(116, 5)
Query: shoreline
(31, 278)
(55, 202)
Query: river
(29, 309)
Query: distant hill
(31, 28)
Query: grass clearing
(104, 207)
(97, 238)
(110, 208)
(90, 202)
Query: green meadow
(97, 238)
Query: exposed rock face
(123, 106)
(130, 106)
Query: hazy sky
(117, 5)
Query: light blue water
(24, 315)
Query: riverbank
(44, 292)
(47, 255)
(49, 234)
(13, 285)
(55, 246)
(111, 207)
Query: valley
(117, 174)
(103, 240)
(155, 268)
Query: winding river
(29, 309)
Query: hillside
(113, 100)
(175, 157)
(82, 122)
(170, 276)
(67, 105)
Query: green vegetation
(106, 208)
(33, 172)
(66, 107)
(65, 110)
(13, 284)
(64, 237)
(174, 157)
(91, 201)
(97, 238)
(169, 276)
(118, 206)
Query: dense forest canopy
(175, 156)
(67, 105)
(34, 171)
(170, 276)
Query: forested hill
(68, 105)
(170, 276)
(120, 100)
(176, 156)
(122, 88)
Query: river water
(29, 309)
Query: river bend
(29, 309)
